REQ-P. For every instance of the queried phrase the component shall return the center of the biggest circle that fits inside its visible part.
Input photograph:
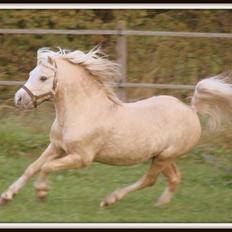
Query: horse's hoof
(42, 196)
(161, 203)
(3, 201)
(104, 204)
(110, 200)
(164, 200)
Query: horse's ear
(50, 60)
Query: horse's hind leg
(147, 180)
(173, 177)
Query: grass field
(205, 194)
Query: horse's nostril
(19, 100)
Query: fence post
(121, 50)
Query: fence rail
(120, 85)
(152, 86)
(116, 32)
(11, 83)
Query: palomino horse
(92, 124)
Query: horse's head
(40, 86)
(42, 82)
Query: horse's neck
(78, 95)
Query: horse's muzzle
(23, 100)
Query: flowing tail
(213, 98)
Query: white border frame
(119, 225)
(115, 6)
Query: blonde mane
(94, 61)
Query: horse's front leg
(71, 161)
(41, 186)
(49, 154)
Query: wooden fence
(119, 85)
(121, 49)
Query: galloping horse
(92, 124)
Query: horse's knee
(80, 161)
(46, 168)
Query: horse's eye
(43, 78)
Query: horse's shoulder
(56, 129)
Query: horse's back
(152, 101)
(160, 108)
(165, 114)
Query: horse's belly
(122, 158)
(120, 152)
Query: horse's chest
(57, 140)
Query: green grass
(205, 194)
